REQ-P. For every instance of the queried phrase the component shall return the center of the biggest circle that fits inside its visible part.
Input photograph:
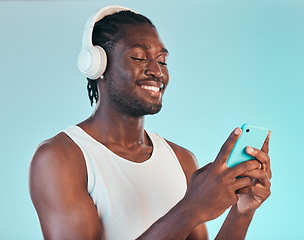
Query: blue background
(230, 62)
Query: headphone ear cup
(99, 63)
(92, 62)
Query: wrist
(194, 214)
(236, 224)
(248, 214)
(189, 212)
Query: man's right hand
(212, 189)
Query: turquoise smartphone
(252, 136)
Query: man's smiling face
(137, 73)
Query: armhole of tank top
(89, 168)
(157, 137)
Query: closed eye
(162, 63)
(138, 59)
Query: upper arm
(189, 164)
(58, 190)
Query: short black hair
(107, 32)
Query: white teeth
(152, 88)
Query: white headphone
(92, 60)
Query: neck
(108, 126)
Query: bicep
(59, 194)
(76, 221)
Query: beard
(128, 103)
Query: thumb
(227, 147)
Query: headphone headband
(100, 14)
(92, 60)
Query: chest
(131, 196)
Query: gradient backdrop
(230, 62)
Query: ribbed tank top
(130, 196)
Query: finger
(260, 194)
(227, 147)
(245, 190)
(240, 183)
(260, 175)
(261, 157)
(243, 167)
(265, 147)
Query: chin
(149, 109)
(155, 111)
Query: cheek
(166, 75)
(133, 71)
(121, 71)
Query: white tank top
(130, 196)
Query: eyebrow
(145, 46)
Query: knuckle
(246, 182)
(251, 164)
(247, 164)
(251, 189)
(264, 157)
(263, 173)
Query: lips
(151, 87)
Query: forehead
(142, 36)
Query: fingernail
(250, 150)
(237, 131)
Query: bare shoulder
(57, 152)
(55, 161)
(58, 188)
(186, 158)
(59, 145)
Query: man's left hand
(250, 198)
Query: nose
(153, 69)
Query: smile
(151, 88)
